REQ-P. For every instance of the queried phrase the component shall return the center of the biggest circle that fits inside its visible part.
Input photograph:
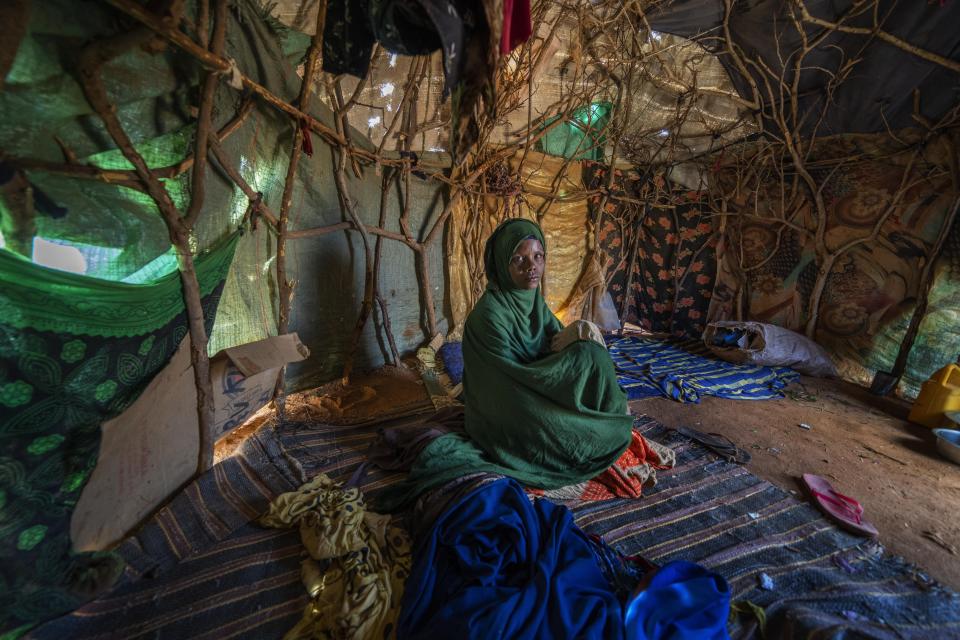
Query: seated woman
(554, 419)
(542, 402)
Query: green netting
(162, 151)
(581, 136)
(118, 230)
(156, 268)
(125, 244)
(50, 300)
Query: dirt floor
(374, 396)
(862, 444)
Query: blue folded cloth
(683, 601)
(451, 355)
(495, 565)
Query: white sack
(770, 345)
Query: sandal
(844, 510)
(719, 444)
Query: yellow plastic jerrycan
(938, 395)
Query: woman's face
(526, 265)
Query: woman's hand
(576, 330)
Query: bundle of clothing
(355, 564)
(491, 564)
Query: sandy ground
(862, 444)
(378, 395)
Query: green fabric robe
(546, 419)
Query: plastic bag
(607, 318)
(767, 345)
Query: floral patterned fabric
(56, 388)
(871, 291)
(670, 249)
(688, 269)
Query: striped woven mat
(200, 569)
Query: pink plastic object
(844, 510)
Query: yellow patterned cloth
(358, 561)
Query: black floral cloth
(669, 244)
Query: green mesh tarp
(119, 231)
(121, 238)
(580, 137)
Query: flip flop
(719, 444)
(844, 510)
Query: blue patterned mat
(684, 370)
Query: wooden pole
(923, 294)
(284, 286)
(91, 61)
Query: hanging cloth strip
(516, 24)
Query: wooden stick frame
(614, 54)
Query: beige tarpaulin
(565, 224)
(682, 91)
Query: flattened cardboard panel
(235, 396)
(151, 449)
(271, 353)
(146, 453)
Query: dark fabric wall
(879, 92)
(670, 246)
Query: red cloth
(617, 482)
(516, 24)
(307, 144)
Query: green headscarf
(534, 323)
(500, 247)
(547, 419)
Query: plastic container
(938, 395)
(948, 443)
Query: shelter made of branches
(689, 160)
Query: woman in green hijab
(547, 419)
(553, 418)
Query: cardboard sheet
(149, 451)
